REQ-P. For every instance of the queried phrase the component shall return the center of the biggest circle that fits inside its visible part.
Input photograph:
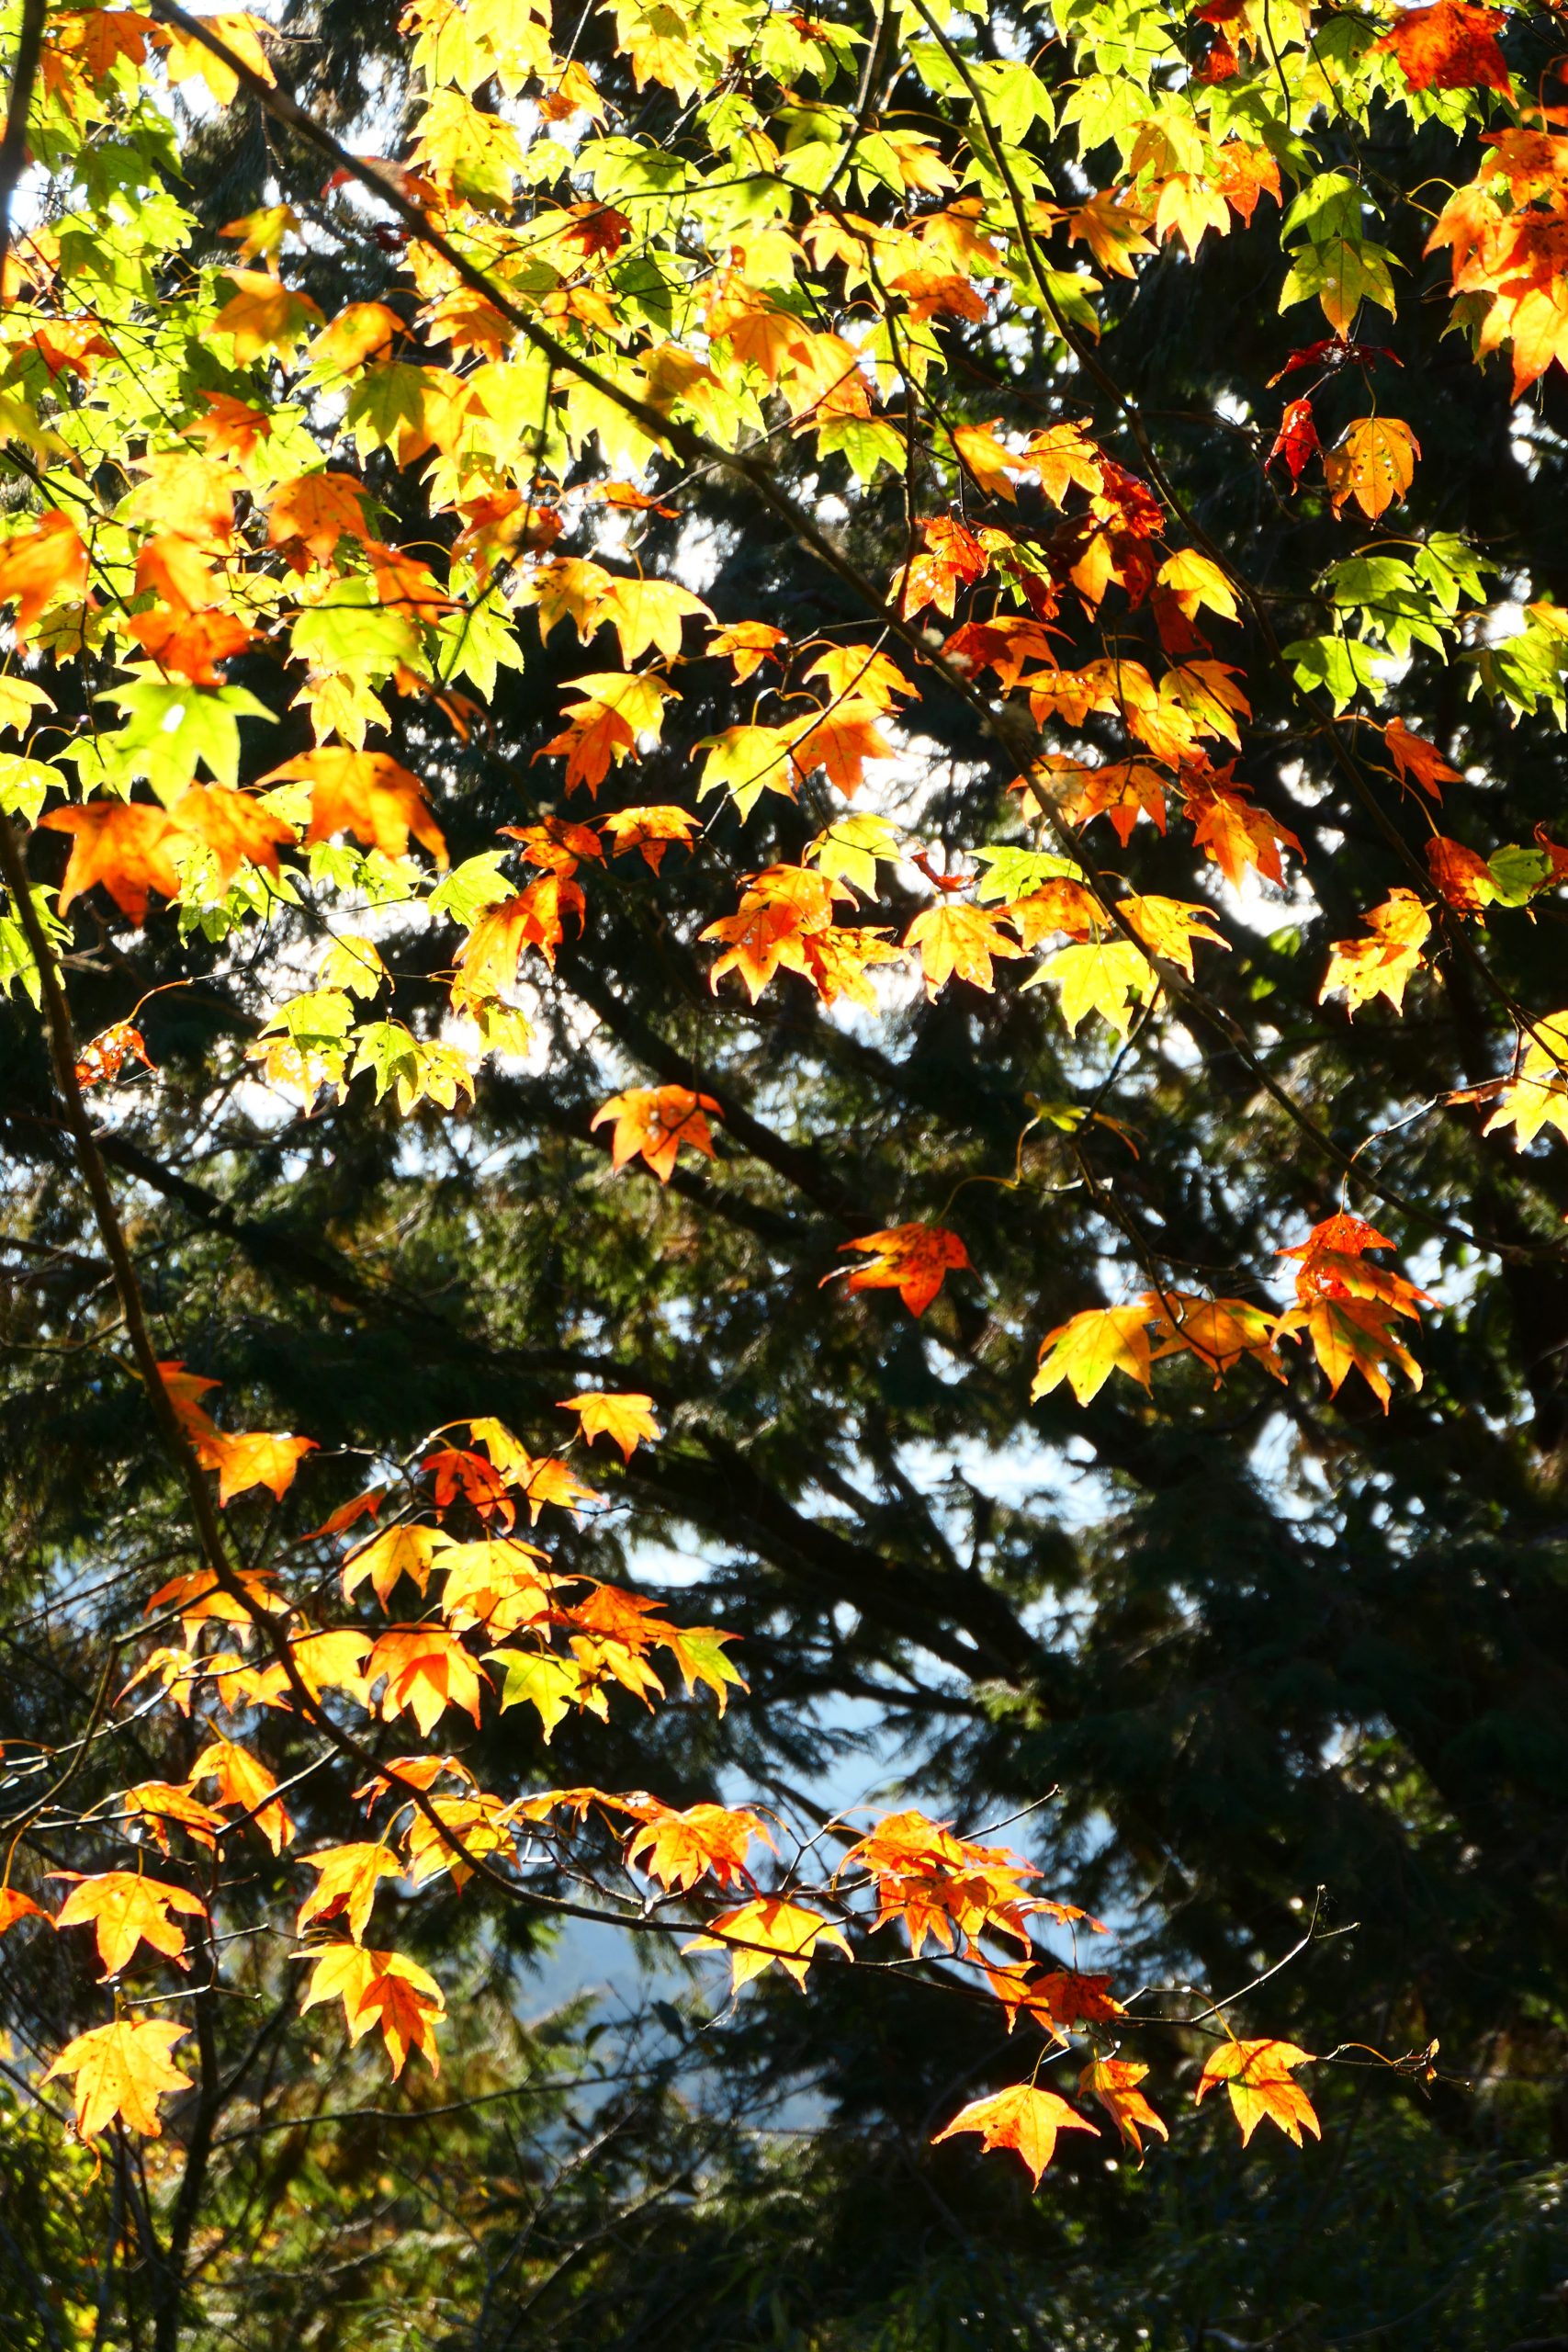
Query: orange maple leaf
(366, 794)
(1448, 46)
(313, 512)
(380, 1988)
(270, 1458)
(104, 1056)
(651, 830)
(1114, 2083)
(913, 1259)
(15, 1906)
(1373, 462)
(427, 1670)
(1023, 2119)
(262, 314)
(842, 740)
(682, 1847)
(1414, 757)
(624, 1419)
(953, 556)
(245, 1781)
(124, 844)
(1464, 880)
(653, 1122)
(1257, 2075)
(40, 564)
(122, 2069)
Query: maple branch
(95, 1175)
(14, 140)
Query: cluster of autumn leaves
(558, 1642)
(820, 303)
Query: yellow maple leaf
(127, 1910)
(122, 2069)
(1090, 1346)
(766, 1933)
(624, 1420)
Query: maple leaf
(913, 1259)
(384, 1989)
(1073, 1997)
(747, 760)
(127, 1910)
(747, 644)
(1374, 462)
(123, 2070)
(268, 1458)
(757, 940)
(494, 1585)
(345, 1889)
(1088, 1347)
(41, 565)
(332, 1660)
(768, 1932)
(1296, 439)
(159, 1802)
(1414, 757)
(1537, 1096)
(366, 794)
(245, 1781)
(1168, 927)
(942, 1885)
(1448, 46)
(1229, 829)
(1218, 1331)
(1382, 964)
(653, 1122)
(646, 613)
(682, 1847)
(1112, 225)
(262, 314)
(104, 1056)
(1350, 1334)
(1022, 2118)
(551, 1684)
(125, 845)
(699, 1654)
(15, 1906)
(405, 1550)
(308, 515)
(841, 741)
(1462, 878)
(953, 558)
(860, 674)
(427, 1671)
(651, 830)
(956, 937)
(1114, 2083)
(1257, 2075)
(1109, 977)
(239, 32)
(624, 1420)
